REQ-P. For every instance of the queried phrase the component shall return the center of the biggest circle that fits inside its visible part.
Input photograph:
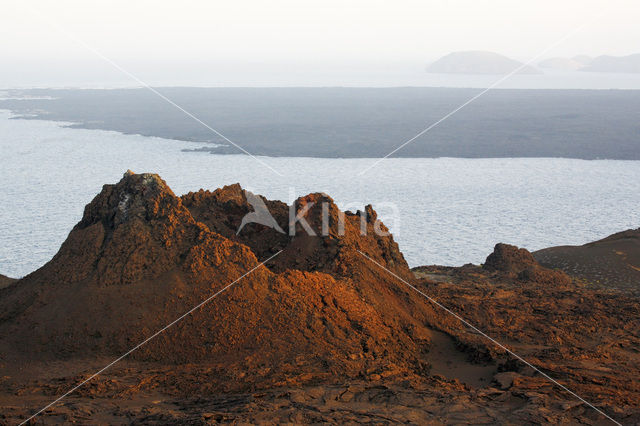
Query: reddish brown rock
(141, 256)
(330, 243)
(542, 275)
(321, 334)
(511, 261)
(505, 379)
(508, 258)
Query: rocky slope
(141, 256)
(585, 336)
(611, 262)
(333, 250)
(5, 281)
(318, 334)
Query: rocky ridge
(140, 256)
(318, 334)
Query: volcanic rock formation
(511, 261)
(141, 256)
(318, 333)
(333, 246)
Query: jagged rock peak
(142, 256)
(230, 193)
(143, 195)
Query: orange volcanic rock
(141, 256)
(585, 337)
(315, 235)
(317, 334)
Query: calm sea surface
(442, 211)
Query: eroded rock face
(142, 256)
(570, 330)
(519, 263)
(508, 258)
(136, 229)
(313, 234)
(320, 316)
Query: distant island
(484, 62)
(566, 64)
(478, 62)
(622, 64)
(629, 64)
(358, 122)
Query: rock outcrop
(584, 336)
(314, 235)
(317, 334)
(141, 256)
(511, 261)
(508, 258)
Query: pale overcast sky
(172, 41)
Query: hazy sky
(166, 41)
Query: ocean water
(441, 211)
